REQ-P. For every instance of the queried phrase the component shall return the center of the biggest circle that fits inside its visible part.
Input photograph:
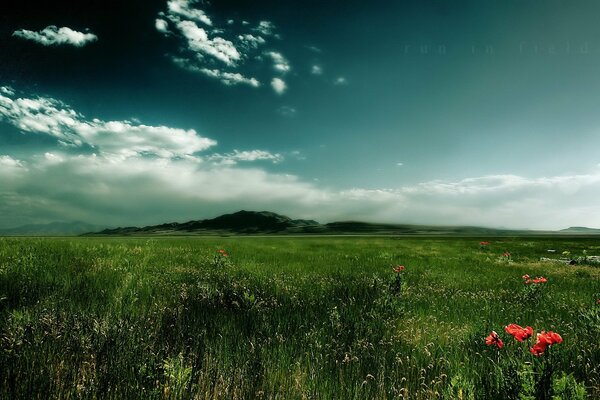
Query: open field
(294, 318)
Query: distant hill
(241, 222)
(580, 229)
(265, 222)
(51, 229)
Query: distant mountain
(241, 222)
(265, 222)
(580, 229)
(51, 229)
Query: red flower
(598, 301)
(223, 253)
(540, 279)
(398, 269)
(526, 277)
(494, 339)
(506, 254)
(544, 340)
(484, 243)
(518, 332)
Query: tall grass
(292, 318)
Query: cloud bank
(124, 173)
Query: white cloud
(53, 35)
(280, 64)
(247, 156)
(227, 78)
(278, 85)
(9, 162)
(184, 9)
(316, 70)
(118, 138)
(7, 90)
(199, 42)
(399, 164)
(252, 41)
(266, 28)
(219, 52)
(340, 81)
(161, 25)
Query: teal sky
(435, 112)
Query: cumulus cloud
(340, 81)
(218, 52)
(161, 25)
(280, 64)
(278, 85)
(266, 28)
(53, 35)
(316, 70)
(183, 8)
(43, 115)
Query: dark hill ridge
(239, 222)
(266, 222)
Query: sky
(139, 112)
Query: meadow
(295, 318)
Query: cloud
(184, 9)
(340, 81)
(218, 52)
(246, 156)
(162, 25)
(278, 86)
(316, 70)
(280, 64)
(43, 115)
(287, 111)
(52, 35)
(266, 28)
(9, 162)
(227, 78)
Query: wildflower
(494, 339)
(540, 279)
(598, 301)
(398, 269)
(506, 254)
(484, 243)
(545, 340)
(223, 253)
(525, 277)
(518, 332)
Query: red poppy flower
(494, 339)
(398, 269)
(484, 243)
(223, 253)
(518, 332)
(544, 340)
(540, 279)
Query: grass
(293, 318)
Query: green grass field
(294, 318)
